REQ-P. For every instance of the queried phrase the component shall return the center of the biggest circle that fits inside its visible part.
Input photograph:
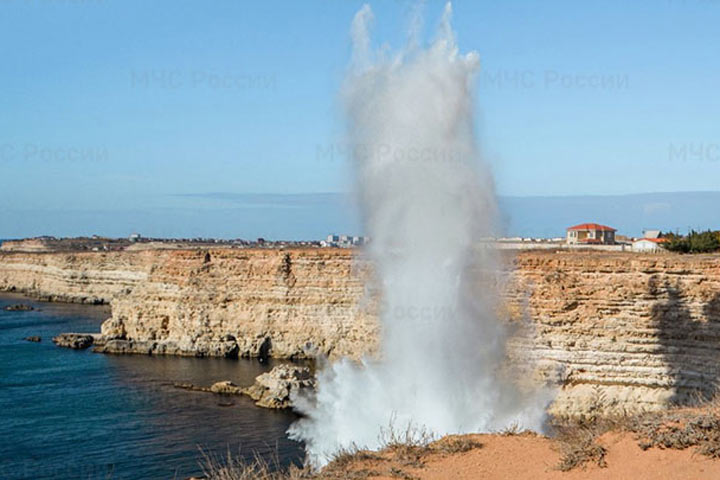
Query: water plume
(428, 202)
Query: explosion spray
(428, 201)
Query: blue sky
(129, 106)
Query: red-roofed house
(591, 234)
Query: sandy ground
(527, 456)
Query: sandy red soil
(533, 457)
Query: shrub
(694, 242)
(455, 444)
(578, 446)
(703, 242)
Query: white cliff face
(72, 277)
(639, 330)
(625, 331)
(299, 303)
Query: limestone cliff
(624, 331)
(297, 303)
(88, 277)
(635, 331)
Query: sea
(67, 414)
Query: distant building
(648, 245)
(345, 241)
(134, 237)
(652, 241)
(590, 234)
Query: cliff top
(104, 244)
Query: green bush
(694, 242)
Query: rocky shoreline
(275, 389)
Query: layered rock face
(298, 303)
(90, 277)
(30, 245)
(621, 330)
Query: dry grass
(454, 444)
(357, 474)
(578, 445)
(346, 457)
(238, 468)
(405, 448)
(340, 467)
(512, 430)
(679, 428)
(577, 437)
(408, 446)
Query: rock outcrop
(277, 388)
(224, 387)
(223, 347)
(19, 307)
(76, 341)
(639, 331)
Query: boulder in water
(225, 387)
(33, 338)
(76, 341)
(19, 307)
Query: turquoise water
(68, 414)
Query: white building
(648, 245)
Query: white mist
(428, 200)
